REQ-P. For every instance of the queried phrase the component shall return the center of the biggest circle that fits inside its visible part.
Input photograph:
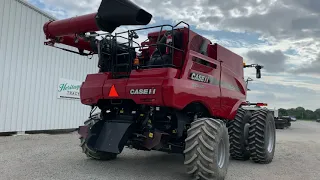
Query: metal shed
(30, 74)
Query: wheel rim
(221, 154)
(270, 134)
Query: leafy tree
(283, 112)
(317, 112)
(310, 114)
(300, 113)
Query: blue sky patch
(291, 52)
(37, 3)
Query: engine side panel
(233, 91)
(199, 83)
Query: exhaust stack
(114, 13)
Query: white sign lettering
(199, 77)
(142, 91)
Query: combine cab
(176, 92)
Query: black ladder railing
(123, 54)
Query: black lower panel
(113, 136)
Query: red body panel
(208, 94)
(233, 92)
(92, 89)
(174, 88)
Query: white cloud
(284, 24)
(72, 8)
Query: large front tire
(262, 136)
(207, 149)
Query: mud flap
(83, 131)
(113, 136)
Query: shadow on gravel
(130, 163)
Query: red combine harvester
(176, 92)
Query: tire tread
(237, 149)
(200, 148)
(257, 137)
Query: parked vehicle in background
(293, 119)
(280, 122)
(283, 122)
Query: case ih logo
(199, 77)
(142, 91)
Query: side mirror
(258, 69)
(258, 74)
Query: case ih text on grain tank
(176, 92)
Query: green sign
(66, 87)
(69, 89)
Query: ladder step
(122, 54)
(124, 64)
(123, 43)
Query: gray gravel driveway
(58, 157)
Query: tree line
(300, 113)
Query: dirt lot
(59, 157)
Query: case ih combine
(179, 94)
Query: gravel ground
(59, 157)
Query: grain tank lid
(114, 13)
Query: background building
(30, 74)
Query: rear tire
(262, 136)
(238, 134)
(91, 153)
(97, 155)
(207, 149)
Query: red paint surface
(173, 87)
(71, 26)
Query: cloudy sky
(282, 35)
